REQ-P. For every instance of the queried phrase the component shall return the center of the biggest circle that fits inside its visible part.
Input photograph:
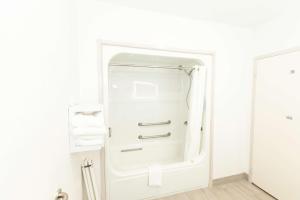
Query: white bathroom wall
(38, 80)
(233, 47)
(279, 34)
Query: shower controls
(154, 124)
(109, 132)
(141, 137)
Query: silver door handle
(289, 117)
(61, 195)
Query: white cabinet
(276, 126)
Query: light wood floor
(240, 190)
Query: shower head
(191, 71)
(188, 72)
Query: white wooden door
(276, 131)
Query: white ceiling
(236, 12)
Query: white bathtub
(135, 95)
(131, 182)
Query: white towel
(89, 141)
(155, 175)
(89, 131)
(87, 121)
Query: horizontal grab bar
(154, 124)
(154, 136)
(92, 113)
(133, 149)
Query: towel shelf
(154, 136)
(154, 124)
(87, 129)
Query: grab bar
(154, 136)
(133, 149)
(154, 124)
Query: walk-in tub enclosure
(149, 102)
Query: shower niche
(157, 104)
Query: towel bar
(154, 136)
(154, 124)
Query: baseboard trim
(230, 179)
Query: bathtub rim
(171, 167)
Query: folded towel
(87, 121)
(90, 141)
(89, 131)
(86, 108)
(155, 175)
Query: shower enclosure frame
(103, 97)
